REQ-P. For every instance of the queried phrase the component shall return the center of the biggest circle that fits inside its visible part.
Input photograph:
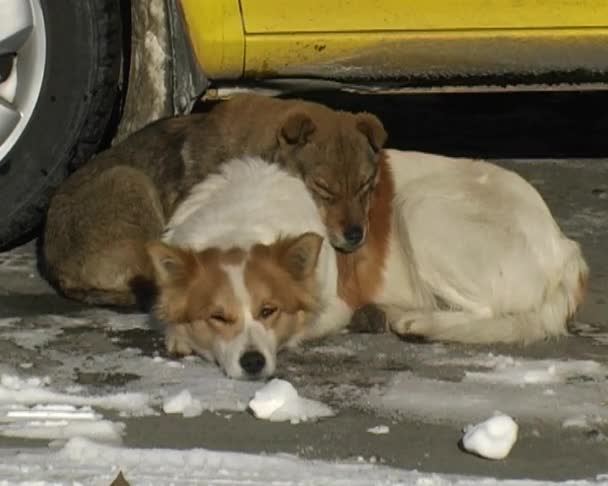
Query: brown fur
(102, 216)
(360, 272)
(198, 304)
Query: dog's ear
(301, 254)
(296, 129)
(167, 261)
(373, 130)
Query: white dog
(456, 249)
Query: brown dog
(102, 216)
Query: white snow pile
(183, 403)
(493, 438)
(279, 401)
(84, 462)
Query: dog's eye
(220, 318)
(367, 186)
(267, 311)
(322, 191)
(325, 197)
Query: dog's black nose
(252, 362)
(353, 234)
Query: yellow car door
(397, 39)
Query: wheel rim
(22, 34)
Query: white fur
(249, 202)
(474, 253)
(480, 240)
(254, 336)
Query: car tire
(78, 95)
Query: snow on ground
(62, 390)
(19, 260)
(379, 429)
(510, 371)
(156, 376)
(279, 401)
(556, 390)
(31, 391)
(552, 390)
(30, 408)
(83, 462)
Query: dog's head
(337, 154)
(238, 307)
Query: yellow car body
(423, 41)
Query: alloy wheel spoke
(16, 23)
(9, 117)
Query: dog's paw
(177, 344)
(368, 319)
(410, 324)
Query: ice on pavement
(523, 388)
(494, 438)
(511, 371)
(183, 403)
(30, 408)
(36, 390)
(56, 422)
(279, 401)
(82, 461)
(379, 429)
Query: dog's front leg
(369, 319)
(177, 341)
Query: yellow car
(417, 43)
(76, 75)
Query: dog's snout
(252, 362)
(353, 235)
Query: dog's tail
(560, 302)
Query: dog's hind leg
(469, 327)
(459, 326)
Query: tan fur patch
(196, 294)
(360, 272)
(272, 283)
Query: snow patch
(379, 429)
(510, 371)
(583, 422)
(36, 390)
(82, 461)
(183, 403)
(57, 422)
(278, 401)
(493, 438)
(446, 401)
